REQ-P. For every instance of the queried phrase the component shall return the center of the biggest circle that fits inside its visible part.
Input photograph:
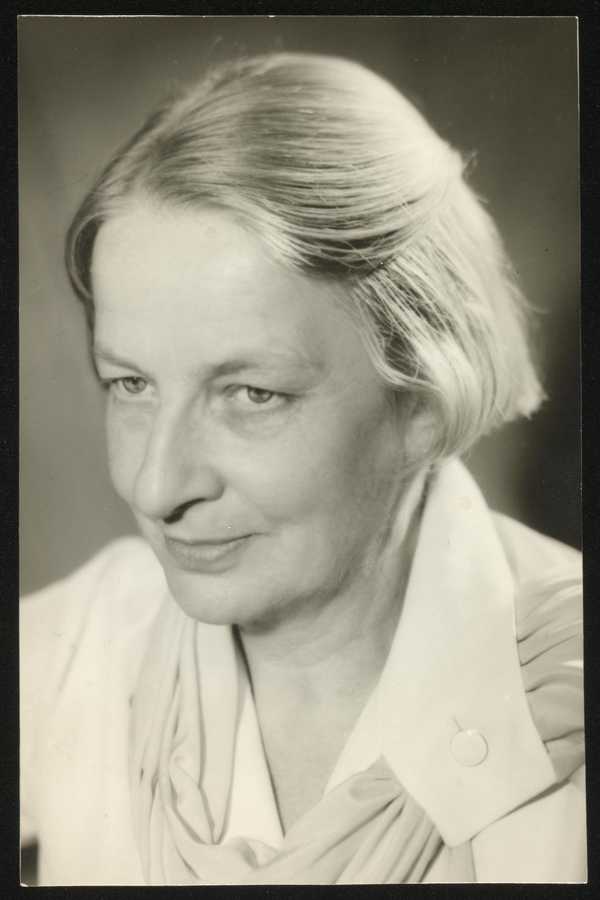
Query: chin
(217, 600)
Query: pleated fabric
(366, 830)
(550, 644)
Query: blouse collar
(450, 709)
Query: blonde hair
(344, 179)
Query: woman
(326, 661)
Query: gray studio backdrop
(504, 89)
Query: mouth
(205, 556)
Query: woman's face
(247, 428)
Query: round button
(469, 747)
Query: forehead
(149, 249)
(199, 281)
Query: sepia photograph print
(300, 535)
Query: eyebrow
(103, 353)
(290, 360)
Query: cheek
(340, 468)
(125, 440)
(363, 465)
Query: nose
(175, 471)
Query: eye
(258, 395)
(247, 399)
(130, 384)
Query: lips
(206, 556)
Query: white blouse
(450, 713)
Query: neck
(338, 648)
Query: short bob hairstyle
(343, 179)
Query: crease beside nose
(175, 471)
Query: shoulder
(548, 595)
(80, 644)
(120, 587)
(531, 554)
(119, 566)
(546, 837)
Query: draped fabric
(367, 829)
(550, 646)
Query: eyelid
(116, 383)
(276, 402)
(240, 387)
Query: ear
(420, 431)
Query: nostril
(178, 512)
(172, 518)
